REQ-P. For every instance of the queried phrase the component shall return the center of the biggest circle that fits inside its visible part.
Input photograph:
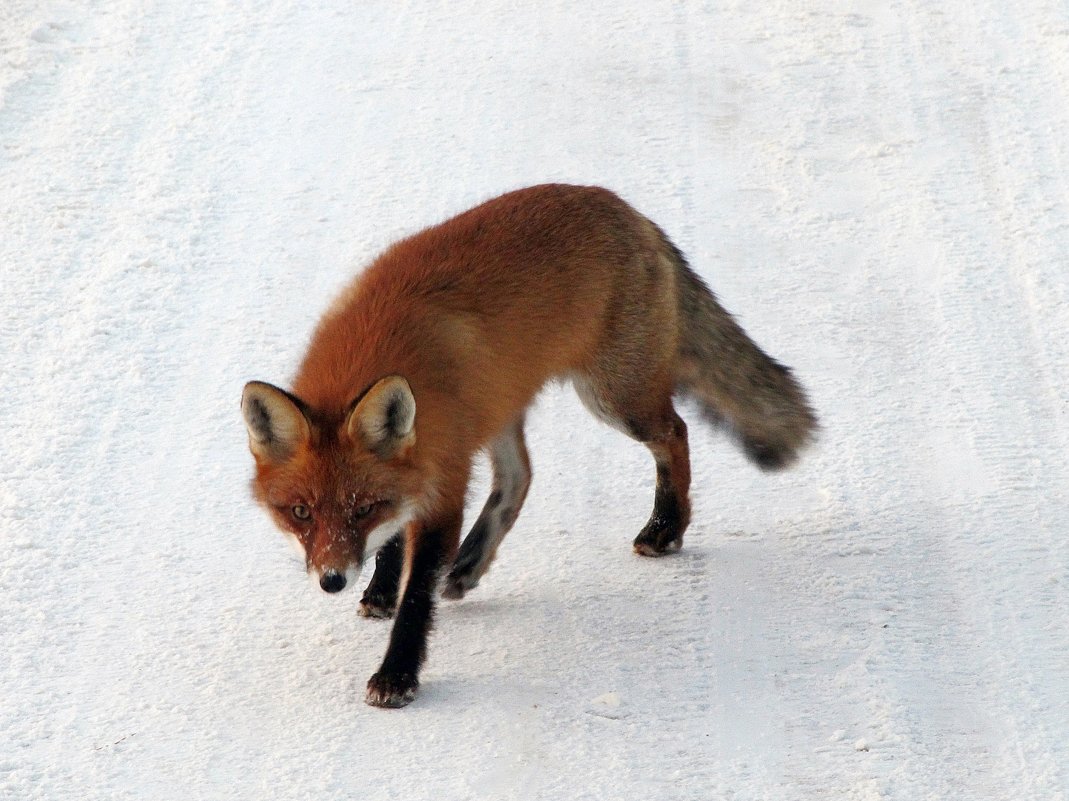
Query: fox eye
(301, 512)
(364, 509)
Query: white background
(877, 189)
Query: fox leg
(667, 441)
(512, 479)
(648, 416)
(380, 597)
(427, 549)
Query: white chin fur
(381, 534)
(352, 576)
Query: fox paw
(374, 605)
(656, 541)
(391, 690)
(454, 587)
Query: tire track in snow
(979, 350)
(1016, 610)
(922, 689)
(99, 321)
(218, 168)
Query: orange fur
(462, 324)
(478, 313)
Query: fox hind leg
(651, 419)
(663, 533)
(511, 480)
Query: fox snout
(332, 581)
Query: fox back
(437, 349)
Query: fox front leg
(380, 597)
(426, 551)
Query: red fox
(434, 353)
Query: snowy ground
(878, 190)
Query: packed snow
(878, 191)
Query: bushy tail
(735, 382)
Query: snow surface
(877, 189)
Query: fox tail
(733, 381)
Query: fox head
(341, 486)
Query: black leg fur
(380, 597)
(671, 505)
(397, 678)
(663, 533)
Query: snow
(877, 190)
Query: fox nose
(332, 581)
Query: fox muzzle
(332, 581)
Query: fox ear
(384, 419)
(276, 423)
